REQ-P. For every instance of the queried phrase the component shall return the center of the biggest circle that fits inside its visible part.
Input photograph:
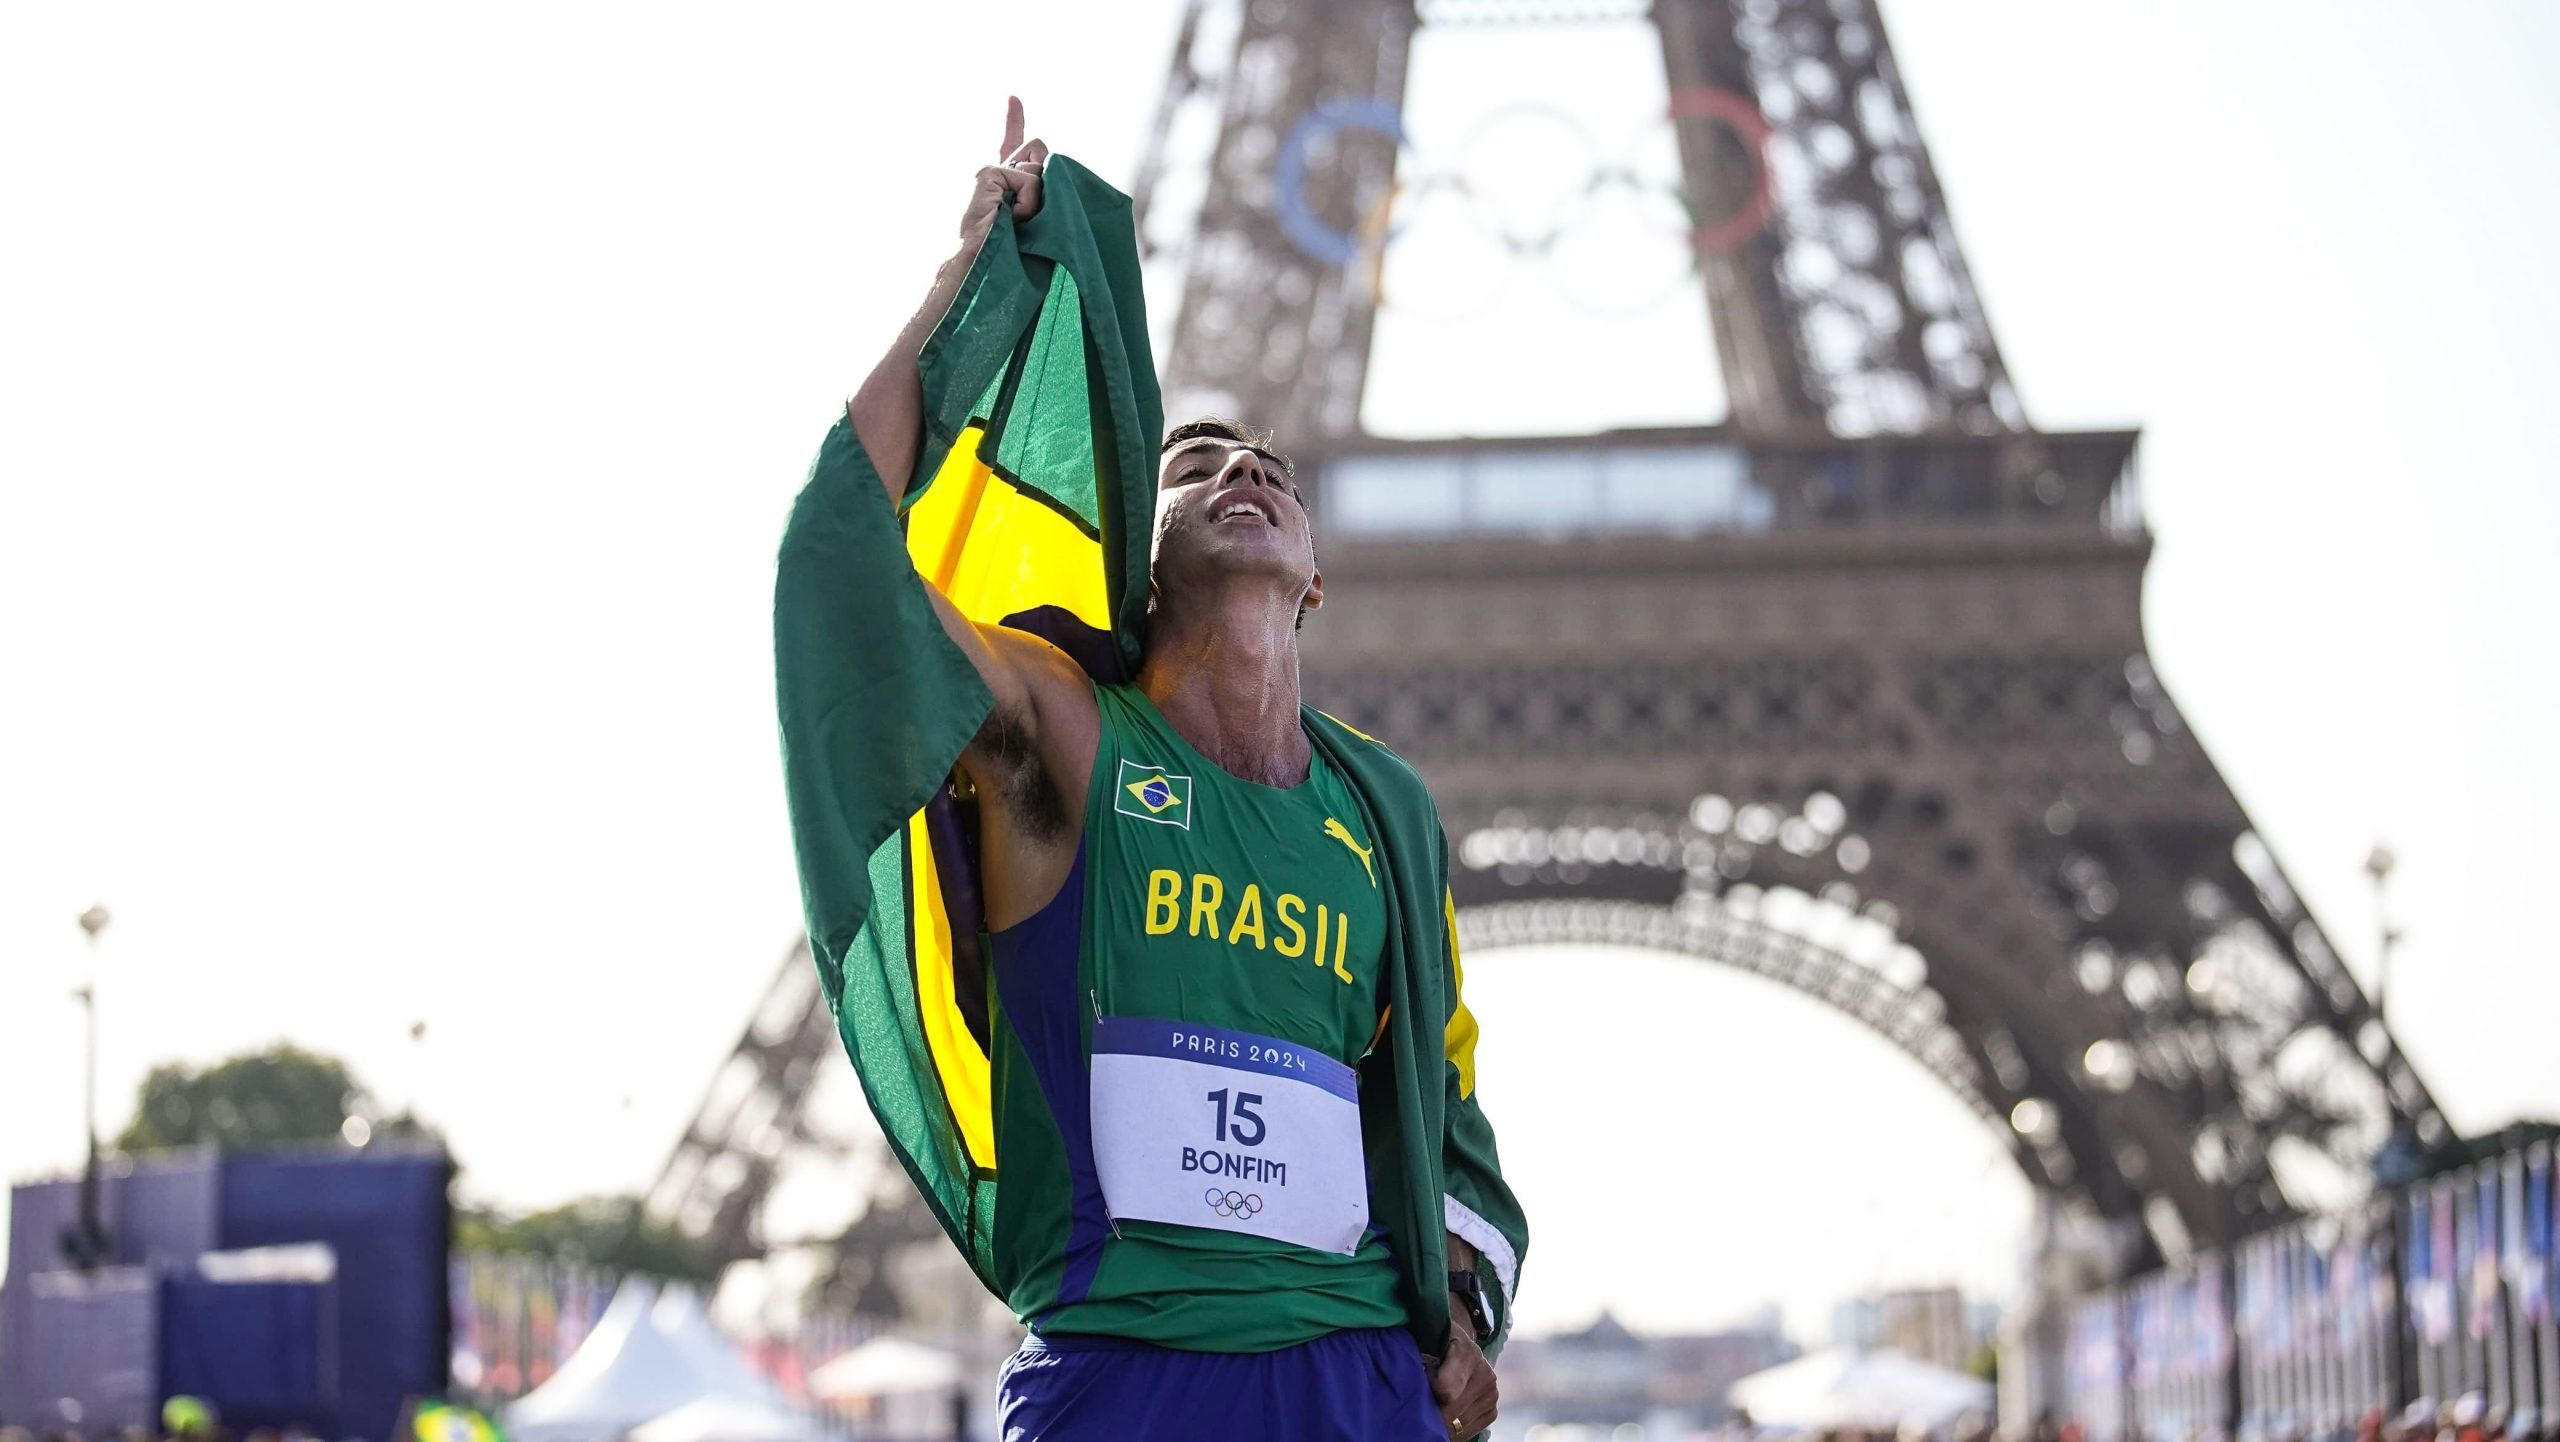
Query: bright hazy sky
(403, 405)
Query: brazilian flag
(1032, 507)
(433, 1419)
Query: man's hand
(888, 411)
(1464, 1383)
(1013, 180)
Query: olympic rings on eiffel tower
(1298, 220)
(1564, 214)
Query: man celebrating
(1094, 895)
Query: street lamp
(2378, 865)
(86, 1245)
(2399, 1161)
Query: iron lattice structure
(753, 1117)
(1870, 714)
(1882, 726)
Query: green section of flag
(876, 702)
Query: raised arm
(1033, 757)
(888, 411)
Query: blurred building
(1939, 1325)
(1607, 1375)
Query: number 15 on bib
(1206, 1127)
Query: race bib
(1207, 1127)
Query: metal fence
(2439, 1290)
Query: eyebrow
(1202, 443)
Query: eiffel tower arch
(1849, 690)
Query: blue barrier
(343, 1318)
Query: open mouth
(1241, 505)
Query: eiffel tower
(1849, 691)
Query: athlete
(1185, 834)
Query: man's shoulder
(1352, 738)
(1373, 762)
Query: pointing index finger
(1012, 127)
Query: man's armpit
(1005, 761)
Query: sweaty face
(1224, 505)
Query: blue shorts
(1356, 1386)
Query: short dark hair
(1252, 438)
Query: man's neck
(1224, 672)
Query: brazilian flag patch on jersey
(1150, 793)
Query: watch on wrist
(1468, 1288)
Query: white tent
(884, 1366)
(651, 1353)
(681, 1318)
(726, 1419)
(1846, 1386)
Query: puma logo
(1342, 833)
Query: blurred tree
(607, 1232)
(276, 1097)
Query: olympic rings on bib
(1232, 1204)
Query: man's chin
(1221, 568)
(1232, 546)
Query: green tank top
(1228, 938)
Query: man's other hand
(1464, 1384)
(1013, 180)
